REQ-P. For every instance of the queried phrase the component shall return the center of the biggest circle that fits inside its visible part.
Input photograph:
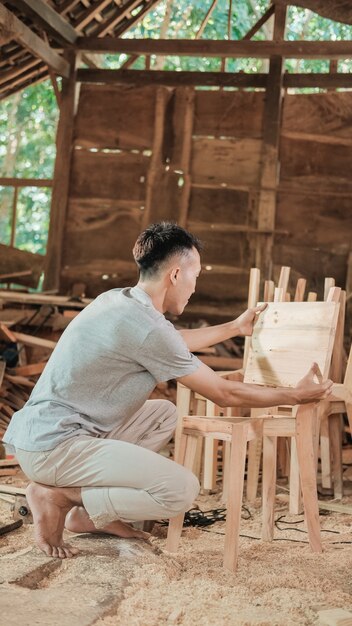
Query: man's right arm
(232, 393)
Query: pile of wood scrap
(23, 357)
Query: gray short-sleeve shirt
(104, 367)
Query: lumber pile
(30, 325)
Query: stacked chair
(286, 339)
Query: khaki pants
(121, 475)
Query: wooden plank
(115, 116)
(62, 172)
(12, 490)
(212, 48)
(13, 261)
(49, 19)
(7, 334)
(227, 161)
(336, 507)
(118, 176)
(328, 225)
(221, 362)
(38, 298)
(7, 471)
(229, 113)
(2, 371)
(228, 205)
(290, 336)
(31, 340)
(29, 370)
(23, 35)
(106, 232)
(318, 113)
(319, 260)
(301, 158)
(8, 462)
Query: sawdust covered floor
(129, 583)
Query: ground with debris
(119, 582)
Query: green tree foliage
(27, 150)
(28, 120)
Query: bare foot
(78, 521)
(49, 506)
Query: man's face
(184, 278)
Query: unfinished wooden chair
(331, 415)
(188, 403)
(331, 422)
(285, 341)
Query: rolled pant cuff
(97, 503)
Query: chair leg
(234, 505)
(269, 486)
(210, 463)
(253, 467)
(349, 415)
(305, 421)
(295, 503)
(189, 445)
(325, 453)
(226, 456)
(335, 430)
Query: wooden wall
(195, 156)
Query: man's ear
(174, 275)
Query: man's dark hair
(158, 243)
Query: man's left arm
(198, 338)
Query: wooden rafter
(257, 26)
(211, 48)
(22, 34)
(46, 17)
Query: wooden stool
(238, 432)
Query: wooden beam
(170, 78)
(61, 178)
(31, 340)
(26, 182)
(270, 164)
(211, 48)
(44, 15)
(23, 35)
(39, 298)
(209, 79)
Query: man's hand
(309, 391)
(246, 321)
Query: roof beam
(210, 79)
(13, 27)
(229, 49)
(44, 15)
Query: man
(88, 436)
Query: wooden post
(162, 98)
(270, 149)
(14, 217)
(185, 158)
(69, 97)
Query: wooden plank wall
(194, 156)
